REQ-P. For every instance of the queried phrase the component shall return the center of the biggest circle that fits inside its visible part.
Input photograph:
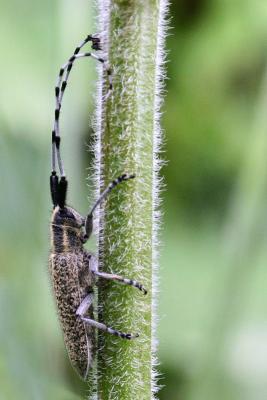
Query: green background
(213, 292)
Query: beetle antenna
(61, 84)
(58, 188)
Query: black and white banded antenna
(58, 186)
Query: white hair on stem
(128, 139)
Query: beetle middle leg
(118, 278)
(82, 310)
(93, 268)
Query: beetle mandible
(73, 269)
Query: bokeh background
(213, 301)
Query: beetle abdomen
(65, 270)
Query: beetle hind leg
(82, 310)
(106, 328)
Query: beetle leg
(119, 278)
(83, 308)
(103, 195)
(105, 328)
(85, 305)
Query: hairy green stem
(128, 139)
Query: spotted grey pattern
(71, 284)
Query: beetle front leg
(82, 310)
(122, 178)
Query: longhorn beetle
(74, 270)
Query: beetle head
(68, 231)
(67, 217)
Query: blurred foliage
(217, 53)
(213, 300)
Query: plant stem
(128, 141)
